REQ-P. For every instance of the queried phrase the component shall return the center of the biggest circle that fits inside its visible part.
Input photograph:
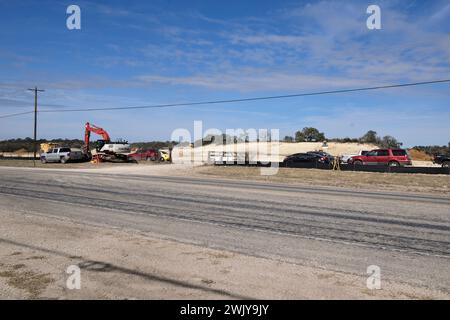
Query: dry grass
(29, 164)
(30, 281)
(359, 180)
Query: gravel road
(407, 235)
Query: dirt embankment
(419, 155)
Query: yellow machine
(46, 147)
(165, 156)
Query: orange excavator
(105, 150)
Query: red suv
(390, 157)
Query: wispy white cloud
(338, 47)
(248, 79)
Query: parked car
(327, 158)
(390, 157)
(305, 158)
(145, 154)
(62, 155)
(345, 157)
(443, 160)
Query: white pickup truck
(345, 157)
(62, 155)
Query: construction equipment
(165, 155)
(47, 146)
(105, 149)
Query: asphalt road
(406, 235)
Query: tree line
(27, 144)
(310, 134)
(307, 134)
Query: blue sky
(131, 53)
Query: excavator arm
(92, 128)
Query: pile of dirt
(270, 151)
(21, 151)
(419, 155)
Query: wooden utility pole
(36, 90)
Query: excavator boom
(92, 128)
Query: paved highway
(406, 235)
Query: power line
(15, 114)
(254, 98)
(26, 104)
(186, 104)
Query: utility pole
(36, 90)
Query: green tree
(309, 134)
(370, 137)
(390, 142)
(299, 137)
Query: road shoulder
(122, 264)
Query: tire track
(206, 213)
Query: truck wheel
(63, 160)
(394, 164)
(358, 163)
(43, 160)
(446, 164)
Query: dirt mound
(276, 151)
(21, 151)
(419, 155)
